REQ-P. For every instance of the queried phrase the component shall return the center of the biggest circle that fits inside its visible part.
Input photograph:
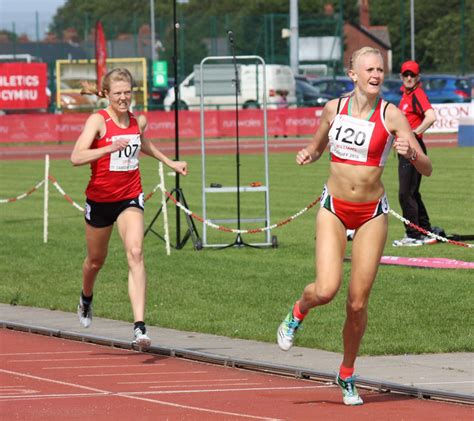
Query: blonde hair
(360, 52)
(120, 74)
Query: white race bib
(127, 159)
(349, 137)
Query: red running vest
(116, 176)
(360, 142)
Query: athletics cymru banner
(23, 86)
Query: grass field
(246, 292)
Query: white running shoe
(408, 242)
(287, 330)
(428, 240)
(84, 312)
(141, 339)
(350, 395)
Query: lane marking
(244, 389)
(44, 353)
(99, 366)
(128, 396)
(143, 374)
(182, 381)
(66, 359)
(203, 385)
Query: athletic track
(48, 378)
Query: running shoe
(427, 240)
(350, 395)
(84, 312)
(141, 339)
(286, 331)
(408, 242)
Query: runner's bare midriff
(355, 183)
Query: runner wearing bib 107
(359, 130)
(111, 142)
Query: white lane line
(30, 376)
(44, 353)
(53, 396)
(243, 389)
(174, 405)
(143, 374)
(203, 385)
(67, 359)
(184, 381)
(99, 366)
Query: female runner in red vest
(111, 142)
(359, 130)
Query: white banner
(448, 116)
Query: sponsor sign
(448, 116)
(23, 86)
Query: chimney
(364, 16)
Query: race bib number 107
(350, 137)
(127, 159)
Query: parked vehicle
(335, 87)
(71, 100)
(307, 95)
(158, 95)
(278, 78)
(446, 88)
(391, 91)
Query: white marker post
(46, 198)
(164, 208)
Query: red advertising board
(218, 124)
(23, 86)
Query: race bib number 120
(127, 159)
(350, 137)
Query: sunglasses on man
(411, 74)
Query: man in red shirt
(419, 113)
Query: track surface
(193, 147)
(47, 378)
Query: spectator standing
(420, 115)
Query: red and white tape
(227, 229)
(23, 195)
(428, 233)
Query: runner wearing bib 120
(358, 142)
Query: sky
(22, 14)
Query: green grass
(245, 292)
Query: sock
(140, 325)
(297, 312)
(86, 300)
(345, 372)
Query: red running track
(47, 378)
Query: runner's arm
(149, 149)
(405, 142)
(316, 147)
(82, 153)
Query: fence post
(46, 198)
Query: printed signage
(23, 86)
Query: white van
(279, 79)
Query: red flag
(100, 54)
